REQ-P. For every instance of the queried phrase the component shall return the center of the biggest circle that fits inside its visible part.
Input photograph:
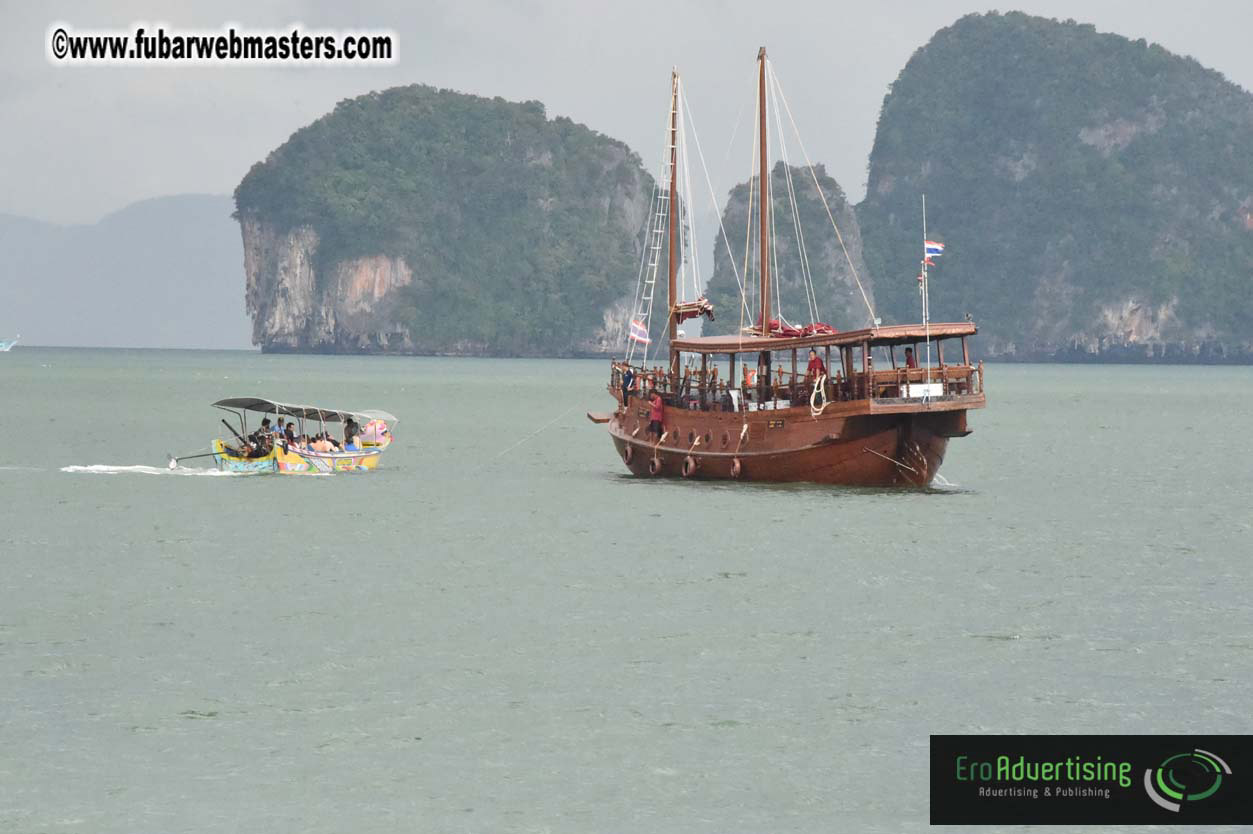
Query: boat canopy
(303, 412)
(897, 334)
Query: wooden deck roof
(896, 334)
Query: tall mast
(671, 291)
(926, 292)
(764, 190)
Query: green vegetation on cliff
(520, 231)
(1094, 191)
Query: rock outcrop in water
(419, 220)
(1096, 193)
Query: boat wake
(107, 469)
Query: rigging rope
(748, 231)
(823, 196)
(726, 240)
(662, 219)
(639, 278)
(816, 410)
(811, 296)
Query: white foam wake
(106, 469)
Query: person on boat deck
(763, 376)
(352, 441)
(911, 361)
(289, 432)
(265, 426)
(628, 383)
(321, 444)
(816, 367)
(656, 413)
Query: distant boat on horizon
(6, 346)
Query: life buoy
(737, 468)
(689, 466)
(654, 466)
(628, 453)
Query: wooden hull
(858, 446)
(298, 463)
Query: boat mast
(671, 291)
(926, 294)
(764, 191)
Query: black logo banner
(1067, 780)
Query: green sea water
(500, 630)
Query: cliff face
(292, 311)
(1094, 194)
(427, 221)
(837, 299)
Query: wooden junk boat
(254, 453)
(873, 419)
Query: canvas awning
(304, 412)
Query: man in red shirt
(910, 360)
(816, 367)
(656, 413)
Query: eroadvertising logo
(1091, 779)
(1192, 776)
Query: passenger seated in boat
(910, 360)
(262, 447)
(352, 440)
(289, 432)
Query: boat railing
(942, 381)
(697, 390)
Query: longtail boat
(847, 421)
(247, 451)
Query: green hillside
(520, 230)
(1094, 192)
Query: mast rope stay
(726, 241)
(748, 231)
(811, 296)
(689, 252)
(813, 173)
(639, 278)
(658, 218)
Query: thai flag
(639, 333)
(933, 248)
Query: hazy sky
(79, 142)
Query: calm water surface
(479, 638)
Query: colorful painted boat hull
(291, 462)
